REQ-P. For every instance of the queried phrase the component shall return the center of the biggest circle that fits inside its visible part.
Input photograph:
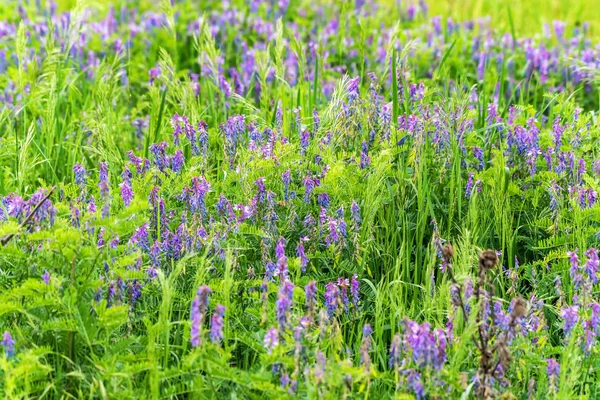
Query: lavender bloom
(46, 277)
(103, 183)
(140, 238)
(282, 268)
(553, 371)
(203, 138)
(271, 339)
(365, 358)
(198, 313)
(176, 123)
(395, 352)
(80, 174)
(354, 290)
(415, 384)
(591, 264)
(286, 179)
(9, 344)
(216, 324)
(300, 253)
(310, 291)
(177, 161)
(570, 316)
(309, 186)
(126, 193)
(478, 153)
(469, 187)
(323, 200)
(343, 286)
(282, 306)
(332, 300)
(153, 74)
(160, 155)
(355, 212)
(200, 187)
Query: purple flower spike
(46, 277)
(9, 344)
(216, 324)
(271, 339)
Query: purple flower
(355, 212)
(177, 161)
(176, 123)
(200, 187)
(198, 313)
(9, 344)
(415, 384)
(570, 316)
(271, 339)
(139, 238)
(332, 300)
(395, 351)
(343, 286)
(160, 155)
(46, 277)
(591, 264)
(365, 358)
(153, 73)
(309, 186)
(80, 174)
(469, 188)
(478, 153)
(323, 200)
(103, 183)
(282, 268)
(553, 371)
(126, 194)
(203, 137)
(282, 306)
(286, 179)
(354, 287)
(310, 291)
(216, 324)
(301, 254)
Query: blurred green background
(528, 15)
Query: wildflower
(271, 339)
(302, 255)
(415, 384)
(591, 264)
(126, 194)
(80, 174)
(343, 286)
(103, 183)
(355, 213)
(286, 179)
(365, 359)
(177, 161)
(216, 324)
(46, 277)
(395, 351)
(553, 371)
(159, 154)
(332, 293)
(282, 306)
(570, 316)
(9, 344)
(310, 291)
(354, 286)
(469, 187)
(199, 308)
(282, 268)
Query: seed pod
(519, 308)
(488, 260)
(448, 251)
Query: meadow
(314, 199)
